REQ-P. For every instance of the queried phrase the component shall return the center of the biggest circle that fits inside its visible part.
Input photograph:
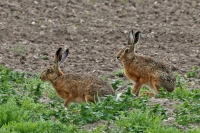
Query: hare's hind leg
(67, 102)
(89, 98)
(154, 86)
(152, 94)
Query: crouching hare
(74, 87)
(144, 70)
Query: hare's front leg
(136, 88)
(68, 100)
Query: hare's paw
(136, 92)
(149, 94)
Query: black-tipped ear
(58, 55)
(130, 37)
(64, 55)
(137, 37)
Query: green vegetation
(19, 50)
(44, 57)
(193, 73)
(119, 73)
(28, 105)
(117, 83)
(123, 1)
(105, 77)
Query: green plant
(100, 128)
(139, 121)
(20, 50)
(180, 81)
(159, 110)
(119, 73)
(91, 1)
(188, 112)
(9, 81)
(44, 57)
(39, 127)
(193, 73)
(16, 12)
(117, 83)
(105, 77)
(123, 1)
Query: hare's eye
(126, 50)
(49, 70)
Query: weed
(91, 1)
(180, 81)
(123, 1)
(138, 121)
(20, 50)
(159, 110)
(141, 2)
(119, 73)
(44, 57)
(105, 77)
(188, 112)
(117, 83)
(193, 73)
(39, 127)
(16, 13)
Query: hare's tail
(167, 81)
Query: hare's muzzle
(42, 79)
(118, 57)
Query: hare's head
(52, 72)
(128, 51)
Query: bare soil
(94, 31)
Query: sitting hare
(144, 70)
(74, 87)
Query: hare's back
(90, 84)
(99, 86)
(150, 65)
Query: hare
(145, 70)
(74, 87)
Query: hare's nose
(118, 57)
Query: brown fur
(144, 70)
(76, 87)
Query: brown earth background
(95, 30)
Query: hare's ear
(64, 55)
(130, 37)
(137, 38)
(58, 56)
